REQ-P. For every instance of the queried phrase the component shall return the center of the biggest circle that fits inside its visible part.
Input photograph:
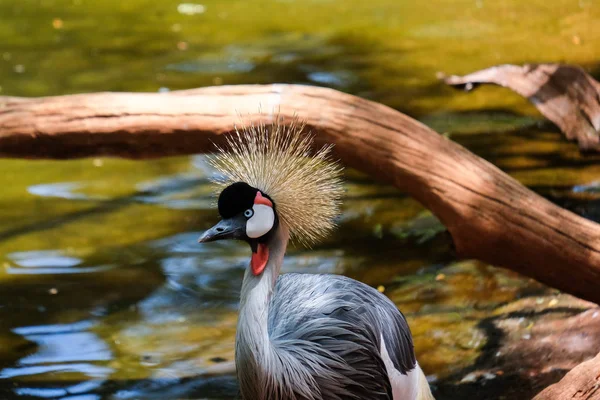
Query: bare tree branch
(582, 382)
(564, 94)
(490, 216)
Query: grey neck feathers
(254, 350)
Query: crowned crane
(303, 336)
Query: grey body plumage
(338, 322)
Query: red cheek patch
(259, 259)
(260, 199)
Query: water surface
(104, 292)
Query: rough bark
(490, 216)
(582, 382)
(564, 94)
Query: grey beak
(231, 228)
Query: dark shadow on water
(210, 388)
(513, 382)
(345, 62)
(102, 207)
(498, 146)
(105, 207)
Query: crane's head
(249, 215)
(269, 177)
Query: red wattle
(259, 259)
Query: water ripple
(63, 190)
(48, 262)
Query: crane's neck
(252, 342)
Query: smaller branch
(564, 94)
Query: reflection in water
(66, 347)
(212, 67)
(40, 259)
(592, 188)
(68, 350)
(48, 262)
(183, 191)
(47, 393)
(221, 388)
(65, 190)
(335, 79)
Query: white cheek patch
(261, 222)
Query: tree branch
(582, 382)
(490, 216)
(564, 94)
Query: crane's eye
(248, 213)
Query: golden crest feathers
(277, 160)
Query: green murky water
(104, 293)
